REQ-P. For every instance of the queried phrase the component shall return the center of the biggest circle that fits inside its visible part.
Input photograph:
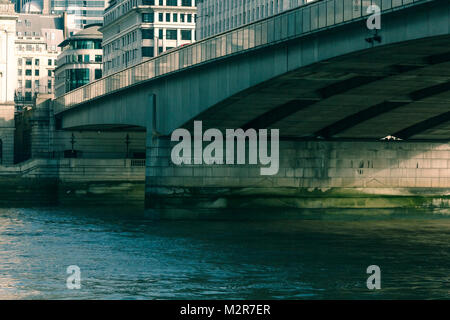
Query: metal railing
(138, 162)
(293, 23)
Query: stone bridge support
(312, 175)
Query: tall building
(136, 30)
(79, 12)
(36, 44)
(219, 16)
(8, 79)
(80, 61)
(30, 6)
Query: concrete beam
(279, 113)
(423, 126)
(357, 118)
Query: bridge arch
(414, 37)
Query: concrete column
(40, 128)
(7, 127)
(157, 165)
(7, 142)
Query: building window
(28, 72)
(36, 62)
(98, 73)
(49, 62)
(148, 51)
(171, 34)
(98, 58)
(186, 35)
(36, 72)
(148, 34)
(28, 62)
(86, 44)
(28, 84)
(76, 78)
(148, 17)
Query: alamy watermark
(235, 147)
(74, 279)
(374, 280)
(374, 21)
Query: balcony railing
(302, 20)
(21, 99)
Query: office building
(36, 45)
(8, 78)
(80, 61)
(79, 13)
(219, 16)
(137, 30)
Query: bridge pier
(312, 175)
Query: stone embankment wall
(77, 182)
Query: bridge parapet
(298, 22)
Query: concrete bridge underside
(332, 95)
(400, 90)
(331, 83)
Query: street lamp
(127, 142)
(375, 38)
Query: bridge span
(333, 87)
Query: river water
(123, 256)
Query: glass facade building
(219, 16)
(137, 30)
(80, 61)
(79, 12)
(36, 47)
(76, 78)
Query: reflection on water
(124, 256)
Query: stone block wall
(38, 138)
(75, 182)
(7, 133)
(312, 174)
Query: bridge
(333, 87)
